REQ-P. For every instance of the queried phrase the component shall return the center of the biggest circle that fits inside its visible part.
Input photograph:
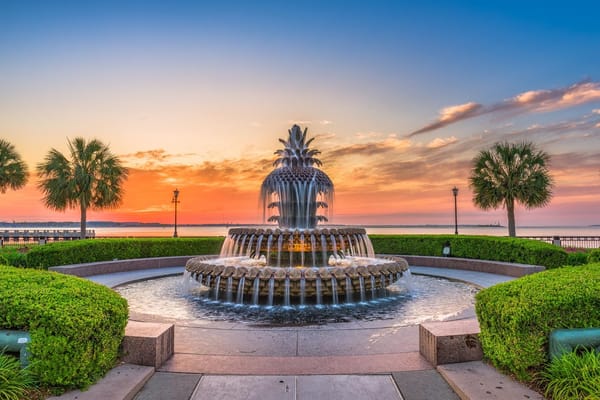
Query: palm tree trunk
(510, 209)
(83, 224)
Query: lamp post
(175, 201)
(455, 193)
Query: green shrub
(12, 256)
(574, 375)
(577, 258)
(517, 317)
(14, 381)
(594, 256)
(477, 247)
(515, 250)
(91, 250)
(76, 326)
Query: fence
(17, 237)
(577, 242)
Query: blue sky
(189, 88)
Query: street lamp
(455, 193)
(175, 201)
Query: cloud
(157, 155)
(371, 148)
(150, 159)
(596, 111)
(441, 142)
(550, 100)
(325, 122)
(369, 135)
(529, 101)
(451, 114)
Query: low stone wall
(109, 267)
(492, 267)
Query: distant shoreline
(133, 224)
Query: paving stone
(326, 365)
(423, 385)
(170, 386)
(120, 383)
(478, 380)
(219, 387)
(235, 342)
(343, 387)
(358, 341)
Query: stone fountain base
(231, 280)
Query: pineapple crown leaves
(296, 152)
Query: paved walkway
(377, 360)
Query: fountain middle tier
(283, 247)
(239, 277)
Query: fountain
(296, 262)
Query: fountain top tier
(295, 192)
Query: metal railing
(37, 236)
(578, 242)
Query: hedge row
(76, 326)
(516, 317)
(92, 250)
(515, 250)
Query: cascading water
(296, 261)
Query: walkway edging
(134, 264)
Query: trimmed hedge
(76, 326)
(517, 317)
(12, 256)
(577, 258)
(92, 250)
(515, 250)
(495, 248)
(594, 256)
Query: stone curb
(120, 383)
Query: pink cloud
(532, 100)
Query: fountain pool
(428, 299)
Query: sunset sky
(400, 97)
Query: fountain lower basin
(245, 280)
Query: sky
(400, 98)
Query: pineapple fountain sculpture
(297, 261)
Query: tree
(13, 170)
(91, 179)
(508, 173)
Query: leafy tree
(508, 173)
(92, 178)
(13, 170)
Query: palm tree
(91, 179)
(508, 173)
(13, 170)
